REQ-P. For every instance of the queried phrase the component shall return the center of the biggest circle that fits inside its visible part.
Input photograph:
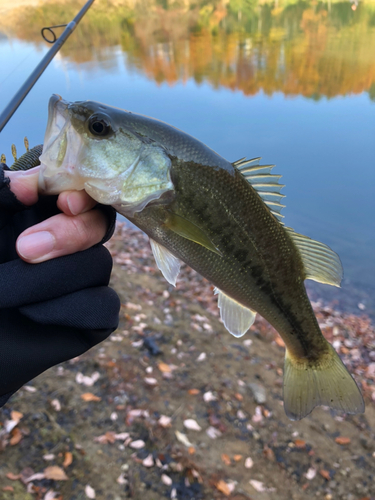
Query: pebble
(259, 393)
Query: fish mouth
(60, 151)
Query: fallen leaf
(150, 381)
(342, 440)
(10, 425)
(108, 437)
(137, 445)
(163, 367)
(89, 491)
(35, 477)
(241, 415)
(183, 439)
(51, 495)
(213, 433)
(89, 396)
(165, 421)
(166, 480)
(258, 485)
(209, 396)
(121, 479)
(192, 425)
(56, 405)
(223, 487)
(269, 453)
(16, 415)
(194, 392)
(29, 388)
(122, 436)
(16, 436)
(225, 458)
(13, 477)
(85, 380)
(325, 474)
(148, 461)
(56, 473)
(8, 488)
(68, 459)
(310, 474)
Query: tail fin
(328, 383)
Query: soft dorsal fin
(190, 231)
(168, 264)
(237, 319)
(321, 263)
(265, 183)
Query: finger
(24, 184)
(75, 202)
(61, 235)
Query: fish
(223, 219)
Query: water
(291, 82)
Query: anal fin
(237, 319)
(168, 264)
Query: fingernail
(74, 203)
(34, 246)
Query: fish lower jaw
(54, 182)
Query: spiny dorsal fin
(321, 263)
(265, 183)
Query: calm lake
(293, 82)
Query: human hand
(77, 228)
(51, 309)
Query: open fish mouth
(90, 146)
(61, 149)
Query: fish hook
(50, 30)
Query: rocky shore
(172, 406)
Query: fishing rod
(13, 105)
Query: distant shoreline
(7, 7)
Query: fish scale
(232, 276)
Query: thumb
(24, 185)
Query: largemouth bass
(222, 219)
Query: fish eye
(99, 125)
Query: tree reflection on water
(307, 48)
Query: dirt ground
(172, 406)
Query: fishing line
(43, 31)
(57, 43)
(15, 69)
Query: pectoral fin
(237, 319)
(190, 231)
(168, 264)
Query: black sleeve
(52, 311)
